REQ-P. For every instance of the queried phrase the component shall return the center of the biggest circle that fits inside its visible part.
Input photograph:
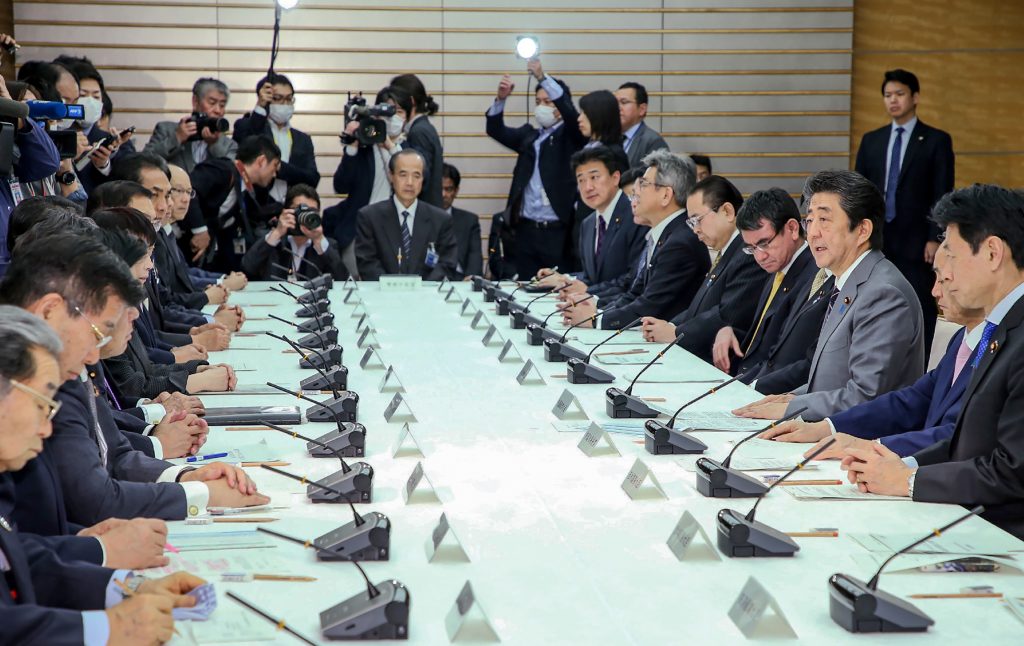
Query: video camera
(305, 216)
(66, 141)
(372, 128)
(202, 120)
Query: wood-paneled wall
(968, 56)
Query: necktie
(819, 280)
(110, 393)
(963, 353)
(779, 277)
(986, 336)
(641, 266)
(406, 239)
(831, 302)
(601, 228)
(714, 263)
(101, 441)
(894, 176)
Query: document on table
(626, 428)
(231, 623)
(767, 464)
(995, 544)
(836, 492)
(201, 537)
(871, 561)
(211, 567)
(255, 452)
(250, 389)
(626, 359)
(719, 422)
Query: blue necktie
(894, 176)
(406, 239)
(986, 336)
(641, 267)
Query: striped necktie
(406, 241)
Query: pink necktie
(962, 355)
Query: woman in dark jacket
(411, 98)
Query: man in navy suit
(610, 240)
(912, 418)
(912, 164)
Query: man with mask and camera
(196, 138)
(275, 105)
(298, 235)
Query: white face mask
(93, 109)
(281, 114)
(395, 125)
(64, 124)
(545, 115)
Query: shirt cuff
(910, 461)
(260, 110)
(496, 108)
(103, 551)
(114, 595)
(199, 230)
(105, 171)
(158, 448)
(351, 150)
(326, 243)
(197, 497)
(153, 412)
(266, 238)
(209, 319)
(553, 89)
(831, 426)
(95, 628)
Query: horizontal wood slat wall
(761, 85)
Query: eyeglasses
(626, 101)
(101, 339)
(52, 405)
(642, 182)
(760, 246)
(283, 100)
(180, 191)
(695, 220)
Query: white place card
(687, 529)
(451, 296)
(406, 444)
(633, 484)
(748, 613)
(492, 334)
(468, 307)
(363, 320)
(509, 351)
(349, 297)
(530, 374)
(440, 286)
(358, 310)
(398, 402)
(399, 282)
(479, 320)
(350, 284)
(596, 441)
(390, 382)
(418, 483)
(443, 544)
(467, 620)
(368, 338)
(371, 359)
(568, 406)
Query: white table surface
(558, 553)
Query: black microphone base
(478, 283)
(323, 280)
(619, 405)
(501, 306)
(385, 616)
(859, 609)
(558, 352)
(319, 339)
(314, 324)
(660, 439)
(716, 481)
(519, 319)
(313, 295)
(331, 357)
(536, 334)
(370, 541)
(581, 372)
(740, 538)
(312, 310)
(350, 442)
(336, 377)
(355, 486)
(346, 408)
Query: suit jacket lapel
(916, 140)
(945, 374)
(587, 239)
(392, 228)
(422, 230)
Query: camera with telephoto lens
(372, 128)
(305, 216)
(202, 120)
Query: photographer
(275, 105)
(195, 138)
(297, 234)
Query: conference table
(554, 549)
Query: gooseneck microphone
(717, 480)
(665, 439)
(559, 351)
(336, 375)
(349, 442)
(536, 333)
(354, 486)
(308, 326)
(862, 608)
(742, 536)
(341, 410)
(619, 404)
(279, 623)
(519, 316)
(581, 371)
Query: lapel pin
(920, 137)
(993, 347)
(846, 301)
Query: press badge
(432, 256)
(240, 246)
(16, 190)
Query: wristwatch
(133, 582)
(67, 178)
(910, 483)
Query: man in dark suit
(639, 138)
(229, 206)
(673, 262)
(726, 298)
(283, 247)
(769, 224)
(405, 235)
(540, 200)
(912, 418)
(980, 464)
(610, 240)
(465, 226)
(275, 105)
(912, 164)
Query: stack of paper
(200, 537)
(837, 492)
(719, 422)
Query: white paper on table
(975, 545)
(719, 422)
(187, 538)
(250, 389)
(871, 561)
(211, 567)
(836, 492)
(618, 426)
(231, 623)
(638, 358)
(767, 464)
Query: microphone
(619, 404)
(312, 325)
(478, 283)
(519, 317)
(341, 410)
(312, 295)
(742, 536)
(717, 480)
(489, 291)
(322, 338)
(580, 371)
(337, 377)
(535, 334)
(354, 486)
(308, 310)
(320, 280)
(278, 623)
(862, 608)
(373, 540)
(664, 439)
(349, 441)
(559, 351)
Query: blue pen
(200, 458)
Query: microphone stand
(665, 439)
(581, 371)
